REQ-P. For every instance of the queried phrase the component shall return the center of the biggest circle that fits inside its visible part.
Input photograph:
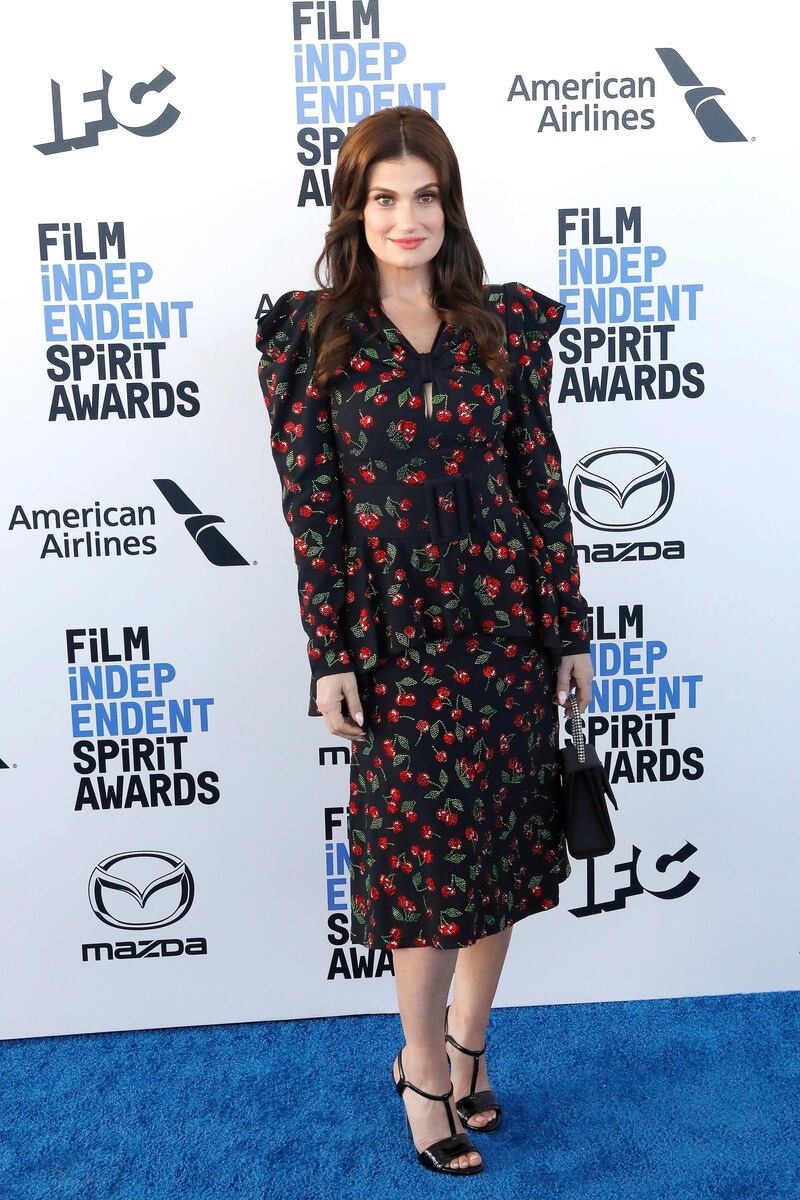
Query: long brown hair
(457, 270)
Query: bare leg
(422, 976)
(477, 974)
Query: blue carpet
(634, 1100)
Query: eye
(385, 196)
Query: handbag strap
(575, 726)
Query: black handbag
(582, 793)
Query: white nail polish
(360, 718)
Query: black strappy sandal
(437, 1156)
(475, 1102)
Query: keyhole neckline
(425, 363)
(424, 358)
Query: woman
(440, 590)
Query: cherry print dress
(435, 559)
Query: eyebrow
(425, 188)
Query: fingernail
(360, 718)
(562, 696)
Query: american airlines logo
(701, 99)
(202, 527)
(92, 530)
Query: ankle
(428, 1071)
(467, 1026)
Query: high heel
(437, 1156)
(474, 1102)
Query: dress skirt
(453, 821)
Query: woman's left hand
(577, 667)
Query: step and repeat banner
(174, 846)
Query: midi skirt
(454, 821)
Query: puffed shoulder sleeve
(533, 455)
(311, 491)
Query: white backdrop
(140, 501)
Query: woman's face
(403, 203)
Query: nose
(405, 219)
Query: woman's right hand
(331, 691)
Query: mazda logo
(122, 885)
(621, 487)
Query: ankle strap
(475, 1053)
(407, 1083)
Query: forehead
(397, 174)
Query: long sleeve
(311, 490)
(533, 455)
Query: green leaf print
(401, 915)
